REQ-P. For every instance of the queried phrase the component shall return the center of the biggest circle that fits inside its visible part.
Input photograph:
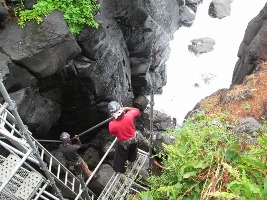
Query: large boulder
(14, 76)
(36, 111)
(247, 125)
(91, 157)
(41, 48)
(104, 174)
(220, 8)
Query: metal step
(23, 184)
(119, 184)
(6, 169)
(29, 186)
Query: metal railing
(13, 124)
(119, 184)
(58, 171)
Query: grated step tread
(29, 185)
(7, 166)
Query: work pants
(121, 155)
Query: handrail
(84, 187)
(151, 138)
(95, 170)
(3, 107)
(13, 138)
(10, 148)
(39, 193)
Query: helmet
(113, 107)
(117, 114)
(64, 136)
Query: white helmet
(64, 136)
(115, 109)
(116, 115)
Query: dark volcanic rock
(252, 50)
(80, 74)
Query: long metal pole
(24, 131)
(151, 128)
(96, 126)
(90, 129)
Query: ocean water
(185, 70)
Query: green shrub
(210, 162)
(77, 13)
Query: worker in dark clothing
(122, 126)
(71, 155)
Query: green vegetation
(77, 13)
(211, 162)
(246, 105)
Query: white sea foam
(184, 69)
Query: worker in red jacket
(122, 126)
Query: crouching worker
(71, 155)
(122, 126)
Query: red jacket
(124, 128)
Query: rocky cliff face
(61, 82)
(245, 101)
(252, 50)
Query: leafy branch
(77, 13)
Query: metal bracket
(24, 131)
(13, 106)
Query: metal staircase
(18, 179)
(119, 184)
